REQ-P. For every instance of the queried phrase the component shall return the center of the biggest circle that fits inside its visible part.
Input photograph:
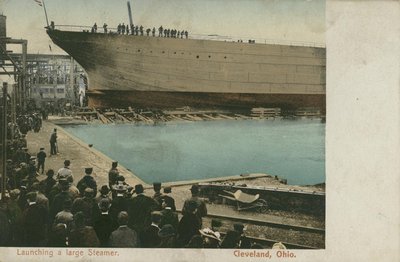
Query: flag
(39, 2)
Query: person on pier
(53, 142)
(41, 157)
(113, 174)
(65, 172)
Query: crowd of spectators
(132, 29)
(55, 210)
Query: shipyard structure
(159, 72)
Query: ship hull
(171, 100)
(159, 72)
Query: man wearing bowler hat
(139, 210)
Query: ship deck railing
(214, 37)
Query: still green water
(291, 149)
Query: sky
(281, 20)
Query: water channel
(175, 151)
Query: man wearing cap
(34, 222)
(41, 157)
(53, 142)
(149, 236)
(87, 181)
(65, 172)
(113, 174)
(139, 210)
(201, 210)
(123, 236)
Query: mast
(130, 13)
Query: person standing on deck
(160, 31)
(132, 29)
(53, 142)
(123, 28)
(105, 28)
(153, 32)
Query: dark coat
(58, 203)
(83, 237)
(118, 204)
(34, 221)
(5, 227)
(85, 205)
(48, 184)
(57, 237)
(104, 225)
(169, 217)
(149, 237)
(112, 176)
(171, 200)
(187, 228)
(124, 237)
(86, 181)
(41, 156)
(139, 210)
(231, 239)
(201, 207)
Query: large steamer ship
(160, 72)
